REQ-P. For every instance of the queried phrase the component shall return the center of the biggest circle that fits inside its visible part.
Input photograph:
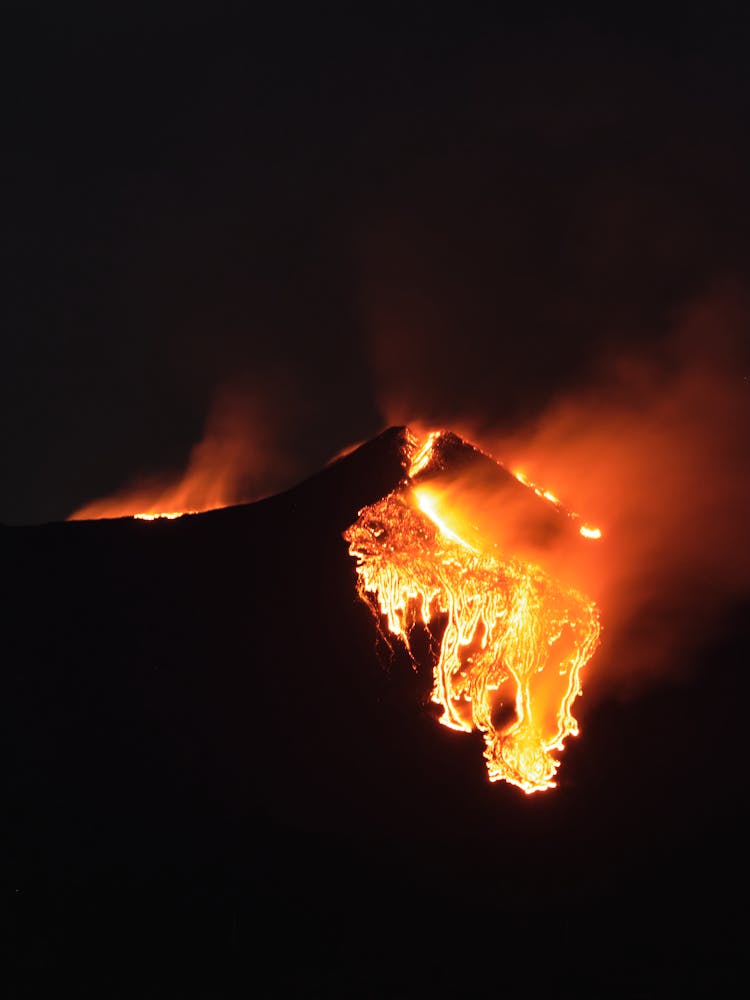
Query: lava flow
(171, 515)
(515, 639)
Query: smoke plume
(652, 448)
(244, 454)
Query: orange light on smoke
(586, 530)
(167, 516)
(227, 466)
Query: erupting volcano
(462, 547)
(515, 639)
(206, 695)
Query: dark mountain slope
(208, 752)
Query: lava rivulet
(515, 639)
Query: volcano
(213, 751)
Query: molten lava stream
(512, 631)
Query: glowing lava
(167, 516)
(588, 532)
(585, 531)
(515, 639)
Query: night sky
(344, 220)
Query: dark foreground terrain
(216, 780)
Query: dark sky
(333, 212)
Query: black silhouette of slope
(209, 752)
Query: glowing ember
(515, 639)
(169, 516)
(588, 532)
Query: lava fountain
(515, 638)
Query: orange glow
(206, 484)
(170, 516)
(422, 454)
(650, 444)
(236, 461)
(515, 639)
(585, 530)
(655, 452)
(155, 504)
(428, 503)
(588, 532)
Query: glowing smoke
(242, 456)
(654, 449)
